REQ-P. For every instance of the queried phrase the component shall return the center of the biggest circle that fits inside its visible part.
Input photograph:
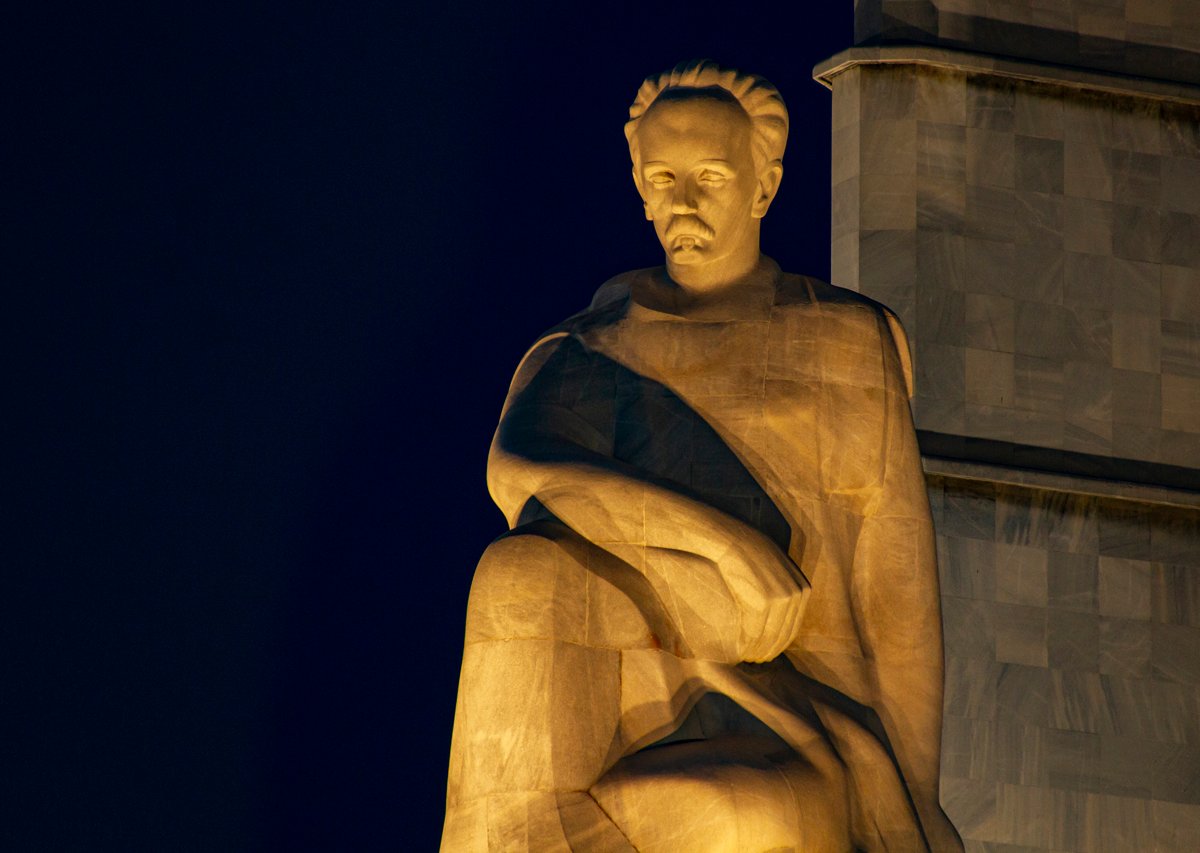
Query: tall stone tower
(1020, 181)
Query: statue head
(707, 144)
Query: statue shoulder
(852, 309)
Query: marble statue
(714, 622)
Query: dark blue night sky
(279, 267)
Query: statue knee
(526, 586)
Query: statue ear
(637, 182)
(768, 186)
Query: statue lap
(569, 648)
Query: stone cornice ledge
(955, 469)
(998, 66)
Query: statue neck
(749, 296)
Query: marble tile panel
(1021, 634)
(1038, 272)
(945, 416)
(1023, 815)
(1137, 342)
(991, 213)
(1038, 164)
(843, 259)
(1137, 232)
(845, 158)
(941, 371)
(1078, 702)
(1175, 535)
(1137, 398)
(1088, 390)
(888, 260)
(1038, 112)
(1089, 334)
(1013, 753)
(941, 316)
(941, 258)
(994, 423)
(1181, 403)
(1087, 170)
(1021, 575)
(989, 377)
(970, 511)
(1136, 126)
(941, 97)
(941, 205)
(1180, 239)
(1131, 441)
(1176, 826)
(989, 322)
(1180, 289)
(989, 267)
(990, 158)
(1125, 649)
(889, 147)
(1041, 330)
(1072, 640)
(1038, 387)
(887, 202)
(1087, 117)
(1072, 759)
(1181, 347)
(1067, 822)
(1023, 694)
(1125, 587)
(844, 200)
(970, 687)
(1180, 131)
(886, 93)
(1176, 711)
(1087, 226)
(941, 150)
(1177, 448)
(847, 97)
(1181, 184)
(957, 750)
(1073, 581)
(1087, 280)
(1178, 776)
(1082, 434)
(1118, 824)
(1038, 218)
(967, 567)
(1129, 765)
(1136, 178)
(1135, 286)
(1124, 530)
(968, 627)
(1175, 653)
(991, 105)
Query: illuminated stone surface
(1034, 220)
(714, 624)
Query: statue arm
(734, 594)
(896, 601)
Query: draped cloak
(796, 423)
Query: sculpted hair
(761, 101)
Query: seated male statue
(714, 623)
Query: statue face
(695, 169)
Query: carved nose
(682, 201)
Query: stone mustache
(714, 622)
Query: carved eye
(710, 177)
(662, 179)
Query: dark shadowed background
(274, 270)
